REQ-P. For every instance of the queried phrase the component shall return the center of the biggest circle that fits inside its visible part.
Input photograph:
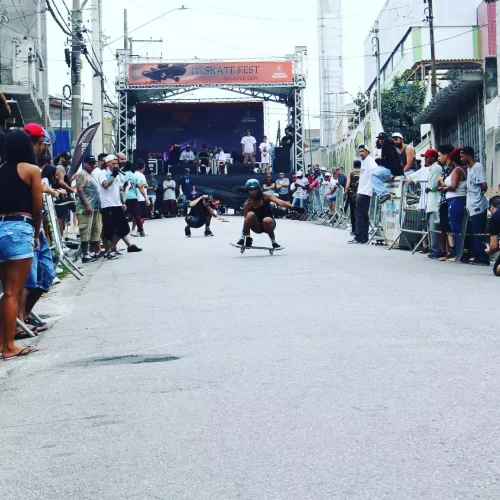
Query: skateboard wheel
(271, 252)
(242, 249)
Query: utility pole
(430, 19)
(376, 48)
(97, 80)
(76, 72)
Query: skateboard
(270, 250)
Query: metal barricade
(412, 216)
(375, 218)
(341, 219)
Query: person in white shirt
(114, 222)
(187, 156)
(477, 204)
(220, 156)
(248, 147)
(300, 195)
(265, 155)
(142, 197)
(169, 198)
(365, 190)
(328, 189)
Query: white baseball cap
(300, 173)
(110, 158)
(328, 174)
(323, 169)
(397, 135)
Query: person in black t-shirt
(201, 213)
(204, 158)
(494, 230)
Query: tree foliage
(401, 103)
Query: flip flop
(40, 327)
(21, 353)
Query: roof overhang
(448, 102)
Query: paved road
(324, 372)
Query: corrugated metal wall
(466, 130)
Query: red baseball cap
(35, 130)
(430, 152)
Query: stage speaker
(281, 160)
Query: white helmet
(300, 173)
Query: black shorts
(114, 223)
(261, 229)
(143, 210)
(444, 219)
(197, 221)
(63, 208)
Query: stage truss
(290, 94)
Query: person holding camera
(200, 214)
(114, 222)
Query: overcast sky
(224, 29)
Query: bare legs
(13, 275)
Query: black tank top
(15, 194)
(262, 212)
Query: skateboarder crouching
(258, 214)
(201, 213)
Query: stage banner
(228, 73)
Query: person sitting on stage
(187, 156)
(258, 214)
(265, 155)
(220, 156)
(203, 158)
(200, 214)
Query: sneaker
(208, 232)
(276, 245)
(240, 242)
(355, 242)
(135, 234)
(134, 248)
(187, 231)
(437, 255)
(476, 262)
(117, 252)
(99, 255)
(56, 281)
(87, 258)
(385, 198)
(142, 234)
(446, 257)
(248, 242)
(59, 270)
(110, 256)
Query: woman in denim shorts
(20, 221)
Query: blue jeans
(379, 176)
(456, 211)
(42, 267)
(477, 225)
(16, 240)
(300, 202)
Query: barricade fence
(413, 230)
(412, 214)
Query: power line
(52, 13)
